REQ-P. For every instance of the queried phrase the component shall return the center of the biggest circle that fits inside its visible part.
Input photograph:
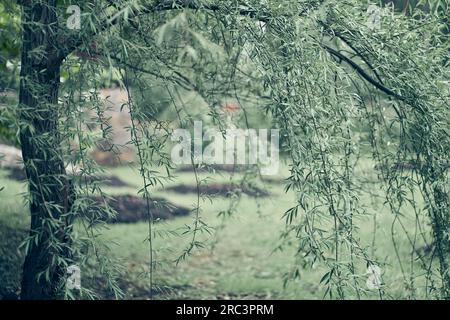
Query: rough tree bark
(40, 143)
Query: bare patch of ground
(18, 174)
(218, 189)
(132, 209)
(216, 167)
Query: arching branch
(363, 73)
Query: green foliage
(10, 45)
(317, 68)
(8, 127)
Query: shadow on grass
(11, 260)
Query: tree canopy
(338, 86)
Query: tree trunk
(42, 156)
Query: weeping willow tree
(319, 70)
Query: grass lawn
(242, 262)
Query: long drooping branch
(334, 33)
(363, 73)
